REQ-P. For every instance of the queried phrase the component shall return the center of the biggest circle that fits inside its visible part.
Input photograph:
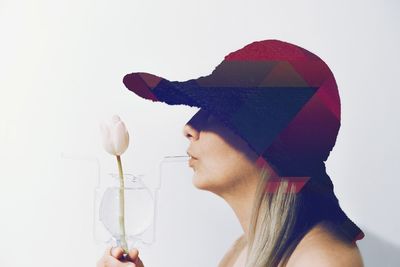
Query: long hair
(282, 217)
(271, 231)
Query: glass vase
(133, 201)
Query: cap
(282, 100)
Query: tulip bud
(115, 136)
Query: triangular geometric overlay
(151, 80)
(283, 75)
(308, 135)
(329, 98)
(138, 83)
(297, 183)
(241, 74)
(276, 107)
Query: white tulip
(115, 136)
(115, 141)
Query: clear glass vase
(138, 207)
(141, 203)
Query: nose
(192, 128)
(190, 132)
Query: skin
(113, 257)
(225, 165)
(321, 248)
(318, 248)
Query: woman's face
(224, 161)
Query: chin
(202, 183)
(199, 183)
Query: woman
(225, 166)
(269, 117)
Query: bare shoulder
(232, 254)
(321, 248)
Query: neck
(240, 199)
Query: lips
(190, 155)
(192, 161)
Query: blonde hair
(270, 237)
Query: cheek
(206, 172)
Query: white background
(61, 69)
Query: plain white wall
(61, 69)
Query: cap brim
(231, 103)
(158, 89)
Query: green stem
(122, 206)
